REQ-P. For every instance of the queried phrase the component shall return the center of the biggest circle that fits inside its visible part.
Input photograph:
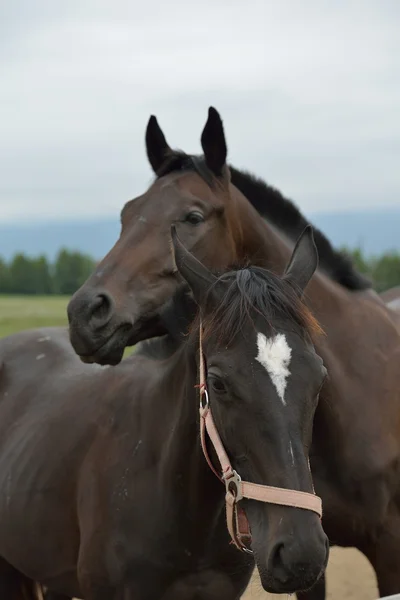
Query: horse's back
(35, 435)
(388, 306)
(28, 356)
(39, 375)
(391, 298)
(391, 294)
(49, 399)
(51, 410)
(80, 445)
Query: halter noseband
(236, 489)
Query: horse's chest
(204, 585)
(173, 545)
(169, 571)
(171, 558)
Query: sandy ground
(349, 577)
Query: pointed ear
(193, 271)
(156, 145)
(303, 262)
(213, 143)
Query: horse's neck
(267, 247)
(329, 301)
(183, 462)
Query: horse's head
(263, 381)
(120, 304)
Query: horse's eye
(218, 385)
(194, 218)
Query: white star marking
(274, 355)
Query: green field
(26, 312)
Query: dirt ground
(349, 577)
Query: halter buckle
(204, 401)
(233, 486)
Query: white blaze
(274, 355)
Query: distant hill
(376, 231)
(94, 237)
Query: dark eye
(217, 385)
(194, 218)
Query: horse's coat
(104, 490)
(355, 455)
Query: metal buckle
(232, 485)
(204, 401)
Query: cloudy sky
(309, 93)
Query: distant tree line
(383, 270)
(27, 275)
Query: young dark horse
(104, 489)
(355, 455)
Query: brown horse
(355, 455)
(391, 298)
(104, 490)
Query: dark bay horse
(391, 298)
(355, 454)
(104, 490)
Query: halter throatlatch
(236, 489)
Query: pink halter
(236, 489)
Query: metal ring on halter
(233, 485)
(204, 401)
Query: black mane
(255, 290)
(280, 212)
(247, 291)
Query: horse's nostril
(298, 564)
(101, 309)
(277, 564)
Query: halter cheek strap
(236, 489)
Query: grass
(29, 312)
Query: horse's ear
(303, 262)
(213, 143)
(199, 279)
(156, 144)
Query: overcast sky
(309, 93)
